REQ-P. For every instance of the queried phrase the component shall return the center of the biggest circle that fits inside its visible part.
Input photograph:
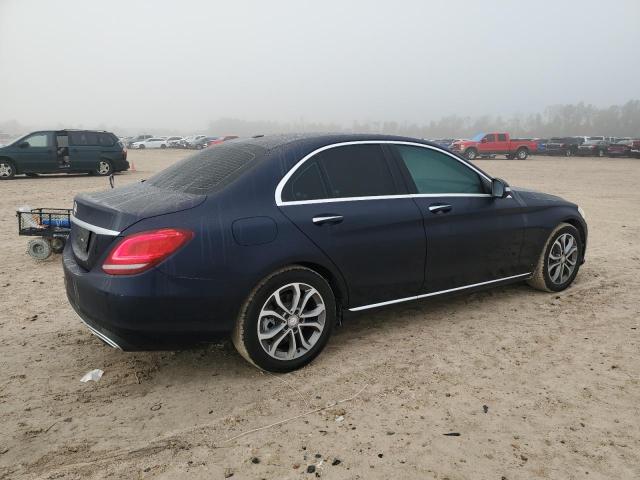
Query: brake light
(141, 251)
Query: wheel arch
(574, 222)
(335, 282)
(11, 161)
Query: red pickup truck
(494, 143)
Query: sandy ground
(558, 373)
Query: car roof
(316, 140)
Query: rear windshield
(209, 170)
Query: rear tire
(293, 308)
(556, 268)
(104, 168)
(7, 170)
(567, 153)
(57, 244)
(163, 146)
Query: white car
(155, 142)
(174, 141)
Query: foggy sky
(170, 64)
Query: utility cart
(51, 225)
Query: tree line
(555, 120)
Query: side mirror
(499, 188)
(23, 145)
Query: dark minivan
(63, 151)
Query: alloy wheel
(291, 321)
(6, 170)
(104, 168)
(563, 258)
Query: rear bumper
(149, 311)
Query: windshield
(478, 137)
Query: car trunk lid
(99, 218)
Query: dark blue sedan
(270, 239)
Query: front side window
(37, 140)
(434, 172)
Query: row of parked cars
(195, 142)
(485, 145)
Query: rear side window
(305, 184)
(83, 138)
(356, 171)
(502, 137)
(434, 172)
(209, 170)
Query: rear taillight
(141, 251)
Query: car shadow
(196, 363)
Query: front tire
(39, 248)
(559, 261)
(471, 153)
(7, 170)
(286, 320)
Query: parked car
(332, 224)
(494, 143)
(63, 151)
(623, 148)
(154, 142)
(541, 145)
(202, 142)
(193, 140)
(174, 142)
(564, 146)
(596, 148)
(444, 142)
(219, 140)
(136, 139)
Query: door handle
(320, 220)
(439, 208)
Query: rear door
(502, 143)
(471, 237)
(84, 151)
(352, 203)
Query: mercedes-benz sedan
(269, 240)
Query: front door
(35, 153)
(352, 203)
(488, 143)
(471, 237)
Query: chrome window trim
(94, 228)
(289, 174)
(432, 294)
